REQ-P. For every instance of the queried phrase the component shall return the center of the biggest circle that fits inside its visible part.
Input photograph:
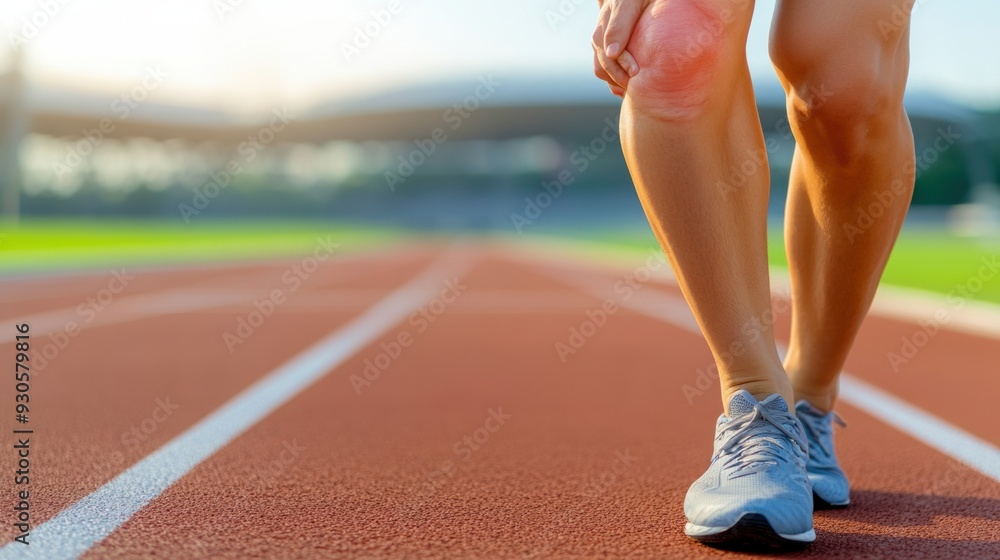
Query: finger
(619, 92)
(597, 38)
(618, 74)
(601, 73)
(611, 71)
(621, 23)
(603, 18)
(626, 61)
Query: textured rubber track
(549, 484)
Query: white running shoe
(829, 483)
(755, 493)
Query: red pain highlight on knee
(677, 45)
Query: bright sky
(253, 54)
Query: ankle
(823, 398)
(814, 387)
(760, 387)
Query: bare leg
(844, 66)
(689, 122)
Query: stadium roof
(495, 107)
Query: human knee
(848, 116)
(681, 47)
(841, 104)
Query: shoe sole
(820, 503)
(751, 532)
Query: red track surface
(334, 473)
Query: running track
(477, 440)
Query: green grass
(930, 260)
(73, 244)
(935, 261)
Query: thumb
(624, 17)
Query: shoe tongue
(743, 402)
(775, 402)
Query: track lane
(947, 375)
(368, 481)
(53, 318)
(67, 292)
(107, 381)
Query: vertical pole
(13, 127)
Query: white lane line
(79, 527)
(131, 308)
(946, 438)
(923, 426)
(319, 300)
(480, 301)
(908, 305)
(197, 296)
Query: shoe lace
(753, 445)
(820, 434)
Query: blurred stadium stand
(503, 141)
